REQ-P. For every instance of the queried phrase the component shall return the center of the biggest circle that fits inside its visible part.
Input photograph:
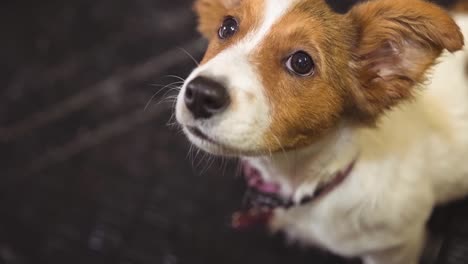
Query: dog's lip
(222, 146)
(198, 133)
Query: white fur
(414, 160)
(243, 125)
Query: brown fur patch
(400, 40)
(211, 15)
(305, 108)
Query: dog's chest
(362, 212)
(343, 231)
(352, 220)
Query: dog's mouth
(222, 148)
(212, 144)
(198, 133)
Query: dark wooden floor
(90, 172)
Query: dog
(352, 126)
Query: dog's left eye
(300, 63)
(228, 28)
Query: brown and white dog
(344, 115)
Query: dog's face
(280, 74)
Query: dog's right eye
(300, 63)
(228, 28)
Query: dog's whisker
(176, 77)
(172, 122)
(190, 56)
(209, 163)
(204, 159)
(165, 85)
(197, 153)
(283, 150)
(168, 99)
(223, 166)
(192, 150)
(159, 91)
(188, 152)
(179, 131)
(238, 169)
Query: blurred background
(91, 171)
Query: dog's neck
(312, 165)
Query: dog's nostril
(212, 104)
(189, 94)
(205, 97)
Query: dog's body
(414, 159)
(408, 156)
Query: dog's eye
(228, 28)
(300, 63)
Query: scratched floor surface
(90, 170)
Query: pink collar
(329, 186)
(262, 198)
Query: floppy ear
(398, 40)
(210, 13)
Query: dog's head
(281, 74)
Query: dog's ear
(397, 41)
(210, 12)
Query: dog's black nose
(205, 97)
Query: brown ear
(398, 40)
(210, 13)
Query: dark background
(88, 173)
